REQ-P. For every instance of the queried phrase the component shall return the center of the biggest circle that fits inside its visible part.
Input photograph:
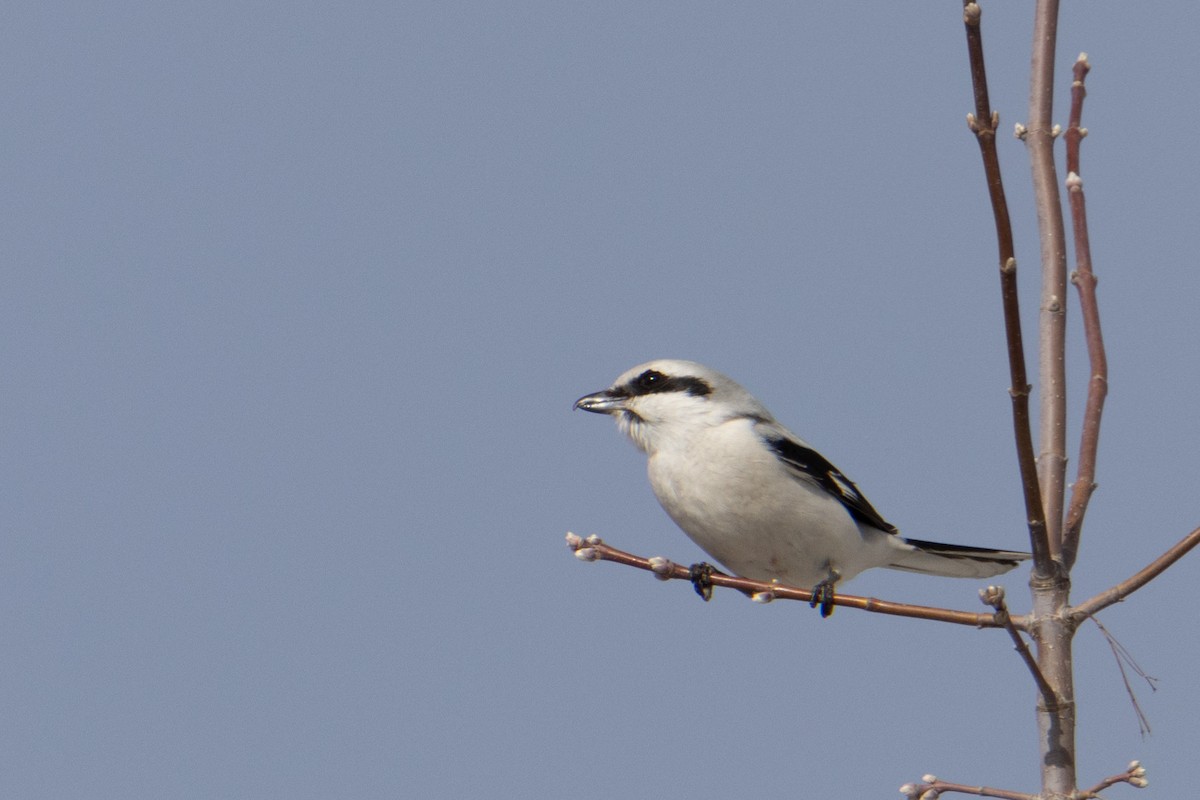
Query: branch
(1134, 775)
(1123, 657)
(594, 549)
(994, 597)
(1039, 139)
(1085, 281)
(931, 787)
(1127, 587)
(983, 123)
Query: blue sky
(299, 297)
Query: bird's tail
(956, 560)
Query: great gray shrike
(755, 496)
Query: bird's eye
(649, 379)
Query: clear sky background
(298, 297)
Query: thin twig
(1127, 587)
(1085, 281)
(594, 549)
(1134, 775)
(983, 123)
(1039, 139)
(931, 784)
(994, 597)
(1123, 657)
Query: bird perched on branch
(756, 497)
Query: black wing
(813, 465)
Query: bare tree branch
(1085, 281)
(594, 549)
(983, 123)
(931, 787)
(1127, 587)
(1050, 587)
(1134, 775)
(1123, 657)
(1039, 139)
(994, 597)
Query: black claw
(701, 576)
(822, 596)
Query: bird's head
(660, 400)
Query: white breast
(748, 511)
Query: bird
(755, 497)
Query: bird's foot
(701, 577)
(822, 595)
